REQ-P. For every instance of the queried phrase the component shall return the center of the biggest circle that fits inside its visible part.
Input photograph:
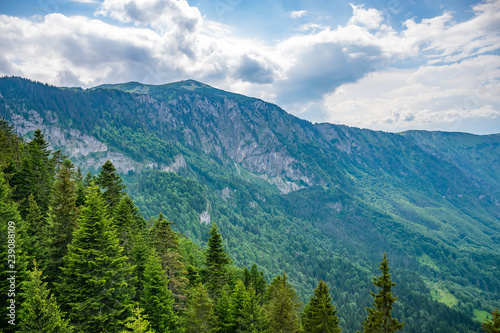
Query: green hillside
(319, 201)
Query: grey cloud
(324, 67)
(253, 70)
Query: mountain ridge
(286, 192)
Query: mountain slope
(317, 200)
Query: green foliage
(137, 323)
(282, 311)
(111, 184)
(199, 316)
(157, 299)
(61, 222)
(379, 315)
(492, 326)
(216, 262)
(95, 286)
(320, 315)
(40, 312)
(36, 232)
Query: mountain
(319, 201)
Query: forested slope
(319, 201)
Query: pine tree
(199, 316)
(282, 312)
(61, 222)
(128, 222)
(255, 278)
(137, 324)
(166, 243)
(379, 318)
(157, 299)
(111, 184)
(216, 261)
(35, 175)
(492, 326)
(253, 315)
(192, 274)
(96, 289)
(35, 232)
(320, 316)
(11, 250)
(223, 305)
(39, 311)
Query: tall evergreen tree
(216, 261)
(111, 185)
(96, 289)
(492, 326)
(137, 323)
(61, 222)
(35, 232)
(12, 254)
(320, 315)
(128, 222)
(199, 316)
(255, 278)
(157, 299)
(39, 311)
(166, 243)
(35, 176)
(379, 318)
(283, 306)
(254, 319)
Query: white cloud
(430, 97)
(298, 13)
(160, 41)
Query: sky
(388, 65)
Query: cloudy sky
(389, 65)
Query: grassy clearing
(424, 259)
(481, 315)
(441, 294)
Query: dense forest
(79, 257)
(427, 199)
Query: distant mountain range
(319, 201)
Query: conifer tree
(13, 254)
(96, 289)
(255, 278)
(39, 311)
(192, 274)
(128, 222)
(35, 232)
(492, 326)
(216, 261)
(157, 299)
(139, 255)
(35, 176)
(283, 306)
(199, 316)
(111, 185)
(166, 243)
(138, 323)
(61, 222)
(254, 319)
(320, 316)
(223, 306)
(379, 318)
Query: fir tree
(253, 316)
(35, 231)
(128, 222)
(39, 311)
(379, 318)
(138, 323)
(157, 299)
(199, 316)
(320, 316)
(216, 261)
(283, 306)
(111, 185)
(61, 222)
(166, 243)
(223, 306)
(11, 250)
(492, 326)
(255, 278)
(35, 176)
(96, 288)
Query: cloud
(158, 41)
(430, 97)
(297, 13)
